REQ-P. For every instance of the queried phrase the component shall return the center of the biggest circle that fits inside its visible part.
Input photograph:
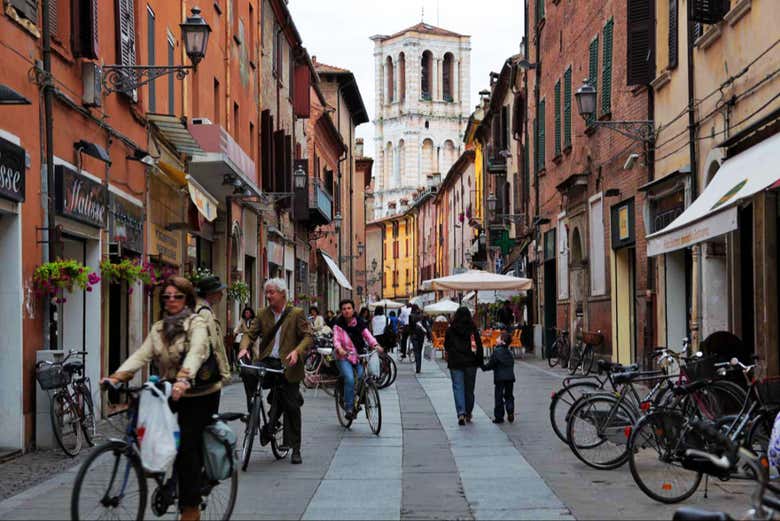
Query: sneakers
(350, 415)
(498, 420)
(296, 459)
(461, 420)
(510, 417)
(468, 418)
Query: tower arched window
(426, 75)
(390, 79)
(448, 77)
(402, 76)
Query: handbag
(209, 372)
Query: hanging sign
(126, 224)
(166, 244)
(12, 171)
(79, 197)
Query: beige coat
(217, 338)
(180, 359)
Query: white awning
(205, 202)
(714, 212)
(480, 280)
(336, 271)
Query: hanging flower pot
(54, 278)
(130, 271)
(238, 291)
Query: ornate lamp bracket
(127, 78)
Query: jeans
(505, 399)
(346, 370)
(417, 345)
(463, 381)
(404, 340)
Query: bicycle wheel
(655, 451)
(250, 433)
(389, 372)
(575, 359)
(109, 485)
(757, 438)
(562, 402)
(588, 356)
(278, 447)
(564, 352)
(338, 394)
(597, 431)
(88, 425)
(373, 408)
(65, 423)
(729, 395)
(219, 498)
(552, 354)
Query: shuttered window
(26, 8)
(517, 115)
(536, 144)
(567, 108)
(674, 10)
(125, 31)
(541, 134)
(151, 59)
(593, 70)
(54, 23)
(84, 28)
(539, 10)
(606, 71)
(558, 118)
(171, 79)
(640, 29)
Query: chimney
(359, 147)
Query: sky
(337, 32)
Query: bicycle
(320, 370)
(583, 353)
(560, 349)
(113, 483)
(71, 409)
(257, 421)
(389, 371)
(366, 395)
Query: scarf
(354, 331)
(173, 325)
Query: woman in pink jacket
(350, 336)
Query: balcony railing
(320, 203)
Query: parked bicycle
(583, 353)
(366, 397)
(560, 350)
(269, 426)
(71, 409)
(319, 366)
(112, 484)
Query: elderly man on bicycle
(350, 336)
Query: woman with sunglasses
(178, 344)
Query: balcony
(320, 203)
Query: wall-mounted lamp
(299, 177)
(92, 149)
(142, 156)
(612, 192)
(9, 96)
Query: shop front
(13, 172)
(623, 269)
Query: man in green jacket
(287, 347)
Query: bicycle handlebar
(260, 368)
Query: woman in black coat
(463, 361)
(419, 329)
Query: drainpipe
(51, 338)
(696, 250)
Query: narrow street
(423, 465)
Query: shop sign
(126, 224)
(79, 197)
(623, 228)
(166, 244)
(12, 171)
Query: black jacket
(458, 348)
(502, 363)
(415, 331)
(505, 316)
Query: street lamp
(373, 265)
(299, 177)
(127, 78)
(492, 200)
(639, 130)
(361, 248)
(337, 221)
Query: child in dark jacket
(503, 366)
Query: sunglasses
(178, 296)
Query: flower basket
(53, 278)
(238, 291)
(130, 271)
(198, 274)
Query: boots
(190, 514)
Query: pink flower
(89, 288)
(93, 278)
(129, 291)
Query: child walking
(503, 366)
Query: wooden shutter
(266, 150)
(536, 141)
(302, 91)
(26, 8)
(278, 167)
(541, 134)
(505, 128)
(606, 71)
(288, 164)
(558, 118)
(593, 69)
(640, 41)
(517, 116)
(53, 22)
(674, 40)
(125, 31)
(567, 108)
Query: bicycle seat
(625, 376)
(228, 416)
(697, 514)
(614, 367)
(325, 351)
(73, 366)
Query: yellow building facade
(400, 256)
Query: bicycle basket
(701, 369)
(52, 376)
(591, 338)
(769, 391)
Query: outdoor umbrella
(444, 306)
(480, 280)
(491, 297)
(387, 304)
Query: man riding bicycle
(350, 336)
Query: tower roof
(422, 28)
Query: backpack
(388, 334)
(219, 449)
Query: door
(118, 331)
(72, 313)
(550, 302)
(625, 305)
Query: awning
(210, 170)
(174, 130)
(336, 271)
(714, 212)
(203, 201)
(175, 174)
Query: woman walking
(247, 316)
(464, 355)
(419, 329)
(378, 324)
(178, 345)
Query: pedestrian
(210, 293)
(505, 315)
(378, 325)
(247, 316)
(178, 345)
(419, 330)
(350, 336)
(330, 318)
(365, 315)
(393, 340)
(503, 366)
(403, 320)
(317, 322)
(463, 346)
(286, 337)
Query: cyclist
(178, 345)
(350, 336)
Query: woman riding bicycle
(178, 345)
(350, 336)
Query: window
(277, 51)
(252, 33)
(402, 76)
(266, 150)
(539, 11)
(640, 27)
(26, 9)
(558, 118)
(252, 150)
(125, 22)
(567, 108)
(390, 80)
(234, 16)
(150, 56)
(407, 247)
(447, 77)
(426, 78)
(217, 103)
(606, 72)
(84, 29)
(59, 20)
(171, 79)
(563, 258)
(541, 131)
(673, 33)
(593, 70)
(536, 144)
(598, 285)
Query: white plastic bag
(428, 350)
(157, 428)
(374, 365)
(773, 451)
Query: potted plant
(55, 277)
(130, 271)
(198, 274)
(238, 291)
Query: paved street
(422, 466)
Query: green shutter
(539, 10)
(606, 73)
(541, 134)
(536, 143)
(567, 108)
(593, 69)
(558, 118)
